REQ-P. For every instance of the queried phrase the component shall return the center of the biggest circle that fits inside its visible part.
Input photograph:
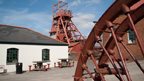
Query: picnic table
(65, 62)
(38, 65)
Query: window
(12, 55)
(131, 37)
(45, 55)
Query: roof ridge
(29, 29)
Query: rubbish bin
(19, 68)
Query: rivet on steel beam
(125, 8)
(111, 52)
(84, 66)
(109, 24)
(89, 52)
(119, 39)
(98, 38)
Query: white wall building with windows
(23, 45)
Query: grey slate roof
(20, 35)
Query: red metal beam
(124, 26)
(111, 14)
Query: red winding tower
(63, 29)
(120, 17)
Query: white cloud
(40, 22)
(86, 2)
(75, 3)
(63, 0)
(32, 2)
(84, 22)
(92, 1)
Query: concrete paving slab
(65, 74)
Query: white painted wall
(30, 53)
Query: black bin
(19, 68)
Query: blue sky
(37, 14)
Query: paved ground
(54, 74)
(135, 72)
(63, 74)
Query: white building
(23, 45)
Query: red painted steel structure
(133, 10)
(63, 29)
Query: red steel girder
(111, 14)
(63, 29)
(124, 26)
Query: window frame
(131, 33)
(44, 51)
(13, 55)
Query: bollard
(48, 66)
(30, 68)
(69, 64)
(45, 69)
(54, 65)
(73, 64)
(59, 65)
